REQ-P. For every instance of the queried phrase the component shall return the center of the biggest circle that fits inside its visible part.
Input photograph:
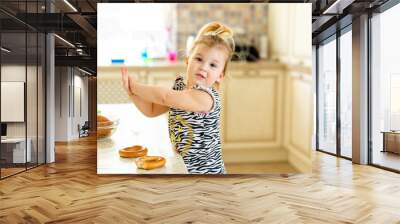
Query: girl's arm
(189, 100)
(149, 109)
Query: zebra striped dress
(196, 136)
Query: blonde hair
(216, 33)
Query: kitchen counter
(177, 64)
(138, 131)
(107, 72)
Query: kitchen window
(135, 32)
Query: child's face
(206, 65)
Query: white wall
(67, 115)
(13, 73)
(61, 103)
(80, 100)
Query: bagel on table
(103, 121)
(150, 162)
(133, 151)
(104, 126)
(103, 131)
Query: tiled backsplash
(111, 91)
(249, 21)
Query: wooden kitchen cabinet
(292, 44)
(298, 119)
(278, 30)
(300, 36)
(251, 116)
(268, 116)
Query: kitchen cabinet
(252, 114)
(292, 44)
(268, 116)
(298, 118)
(278, 30)
(301, 33)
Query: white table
(19, 149)
(109, 161)
(135, 129)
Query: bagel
(133, 151)
(105, 126)
(150, 162)
(103, 121)
(103, 132)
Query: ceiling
(329, 16)
(78, 27)
(77, 22)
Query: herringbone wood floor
(70, 191)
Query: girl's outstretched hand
(124, 78)
(126, 83)
(132, 84)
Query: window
(385, 91)
(395, 101)
(346, 94)
(122, 34)
(327, 96)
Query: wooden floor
(260, 168)
(387, 159)
(70, 191)
(10, 171)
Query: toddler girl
(194, 107)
